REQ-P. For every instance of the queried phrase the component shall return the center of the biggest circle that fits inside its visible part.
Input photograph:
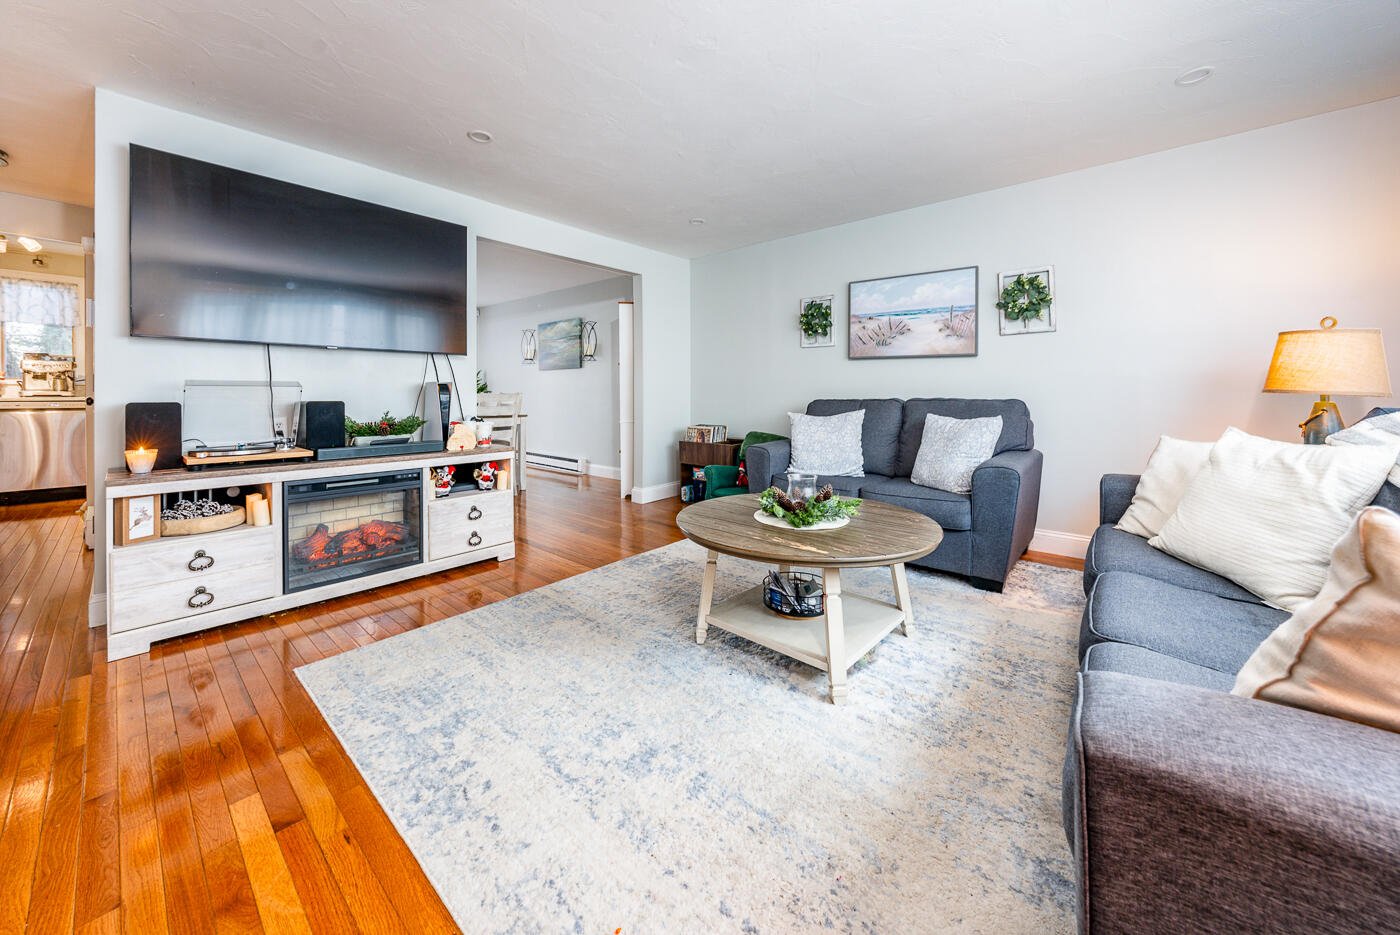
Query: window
(38, 315)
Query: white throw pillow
(952, 449)
(1265, 514)
(1169, 470)
(1377, 430)
(828, 444)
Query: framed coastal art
(1026, 306)
(559, 344)
(815, 325)
(918, 315)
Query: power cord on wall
(450, 369)
(271, 413)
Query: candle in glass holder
(141, 460)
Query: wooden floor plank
(279, 906)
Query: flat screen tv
(223, 255)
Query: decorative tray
(768, 520)
(190, 527)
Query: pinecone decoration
(823, 495)
(786, 502)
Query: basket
(802, 597)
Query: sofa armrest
(1115, 494)
(1005, 503)
(764, 460)
(718, 476)
(1200, 811)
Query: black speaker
(156, 425)
(437, 412)
(321, 424)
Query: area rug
(569, 760)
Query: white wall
(572, 412)
(1174, 272)
(139, 369)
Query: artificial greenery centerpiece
(1025, 299)
(384, 425)
(824, 507)
(815, 319)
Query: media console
(335, 528)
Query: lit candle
(141, 461)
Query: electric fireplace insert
(349, 527)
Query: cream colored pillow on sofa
(1265, 514)
(1169, 470)
(1340, 654)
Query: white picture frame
(1043, 326)
(829, 340)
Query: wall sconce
(527, 346)
(590, 340)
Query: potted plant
(382, 431)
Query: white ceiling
(505, 272)
(764, 118)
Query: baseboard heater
(561, 463)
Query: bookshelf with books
(696, 454)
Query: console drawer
(191, 596)
(468, 522)
(192, 558)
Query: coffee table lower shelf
(866, 622)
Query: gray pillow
(952, 449)
(827, 444)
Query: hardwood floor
(196, 789)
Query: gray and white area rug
(569, 760)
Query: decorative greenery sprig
(1025, 298)
(384, 425)
(824, 506)
(815, 319)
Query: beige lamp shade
(1329, 361)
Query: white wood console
(162, 587)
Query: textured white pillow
(1265, 514)
(952, 449)
(1377, 430)
(828, 444)
(1169, 470)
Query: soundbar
(378, 451)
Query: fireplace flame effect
(374, 539)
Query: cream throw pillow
(1265, 514)
(1169, 470)
(1340, 654)
(1378, 430)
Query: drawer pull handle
(200, 598)
(474, 538)
(474, 513)
(200, 562)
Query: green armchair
(722, 480)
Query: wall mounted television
(218, 254)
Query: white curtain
(38, 302)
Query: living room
(1042, 296)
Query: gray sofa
(984, 532)
(1189, 809)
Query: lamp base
(1324, 419)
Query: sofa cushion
(949, 510)
(1017, 433)
(1144, 663)
(845, 486)
(879, 434)
(1188, 625)
(1115, 550)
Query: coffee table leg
(835, 635)
(901, 597)
(707, 596)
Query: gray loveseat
(984, 533)
(1189, 809)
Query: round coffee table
(881, 535)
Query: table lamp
(1328, 361)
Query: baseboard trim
(605, 470)
(97, 610)
(656, 492)
(1070, 544)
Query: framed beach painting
(918, 315)
(559, 344)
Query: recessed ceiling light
(4, 159)
(696, 222)
(480, 136)
(1194, 76)
(4, 244)
(30, 244)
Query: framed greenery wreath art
(814, 319)
(1026, 301)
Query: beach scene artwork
(560, 344)
(919, 315)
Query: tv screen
(223, 255)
